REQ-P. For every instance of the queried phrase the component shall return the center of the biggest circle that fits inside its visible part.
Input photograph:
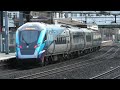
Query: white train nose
(35, 55)
(41, 52)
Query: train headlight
(36, 45)
(18, 46)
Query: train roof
(86, 30)
(40, 26)
(74, 29)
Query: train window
(64, 39)
(57, 41)
(27, 36)
(45, 38)
(81, 37)
(88, 37)
(61, 40)
(94, 36)
(76, 38)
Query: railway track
(116, 77)
(107, 73)
(111, 73)
(70, 67)
(12, 72)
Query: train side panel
(96, 39)
(77, 40)
(61, 43)
(88, 38)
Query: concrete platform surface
(4, 56)
(107, 43)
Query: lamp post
(1, 20)
(6, 34)
(21, 18)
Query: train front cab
(30, 45)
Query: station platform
(107, 43)
(4, 56)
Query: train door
(94, 39)
(50, 42)
(68, 40)
(62, 42)
(88, 39)
(82, 40)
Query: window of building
(13, 16)
(3, 14)
(88, 14)
(84, 14)
(9, 15)
(97, 14)
(74, 15)
(71, 14)
(80, 14)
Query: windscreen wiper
(24, 41)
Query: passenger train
(46, 43)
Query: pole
(1, 20)
(51, 17)
(21, 18)
(85, 19)
(6, 34)
(115, 18)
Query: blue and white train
(47, 43)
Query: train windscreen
(29, 36)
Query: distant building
(42, 16)
(82, 16)
(11, 16)
(98, 17)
